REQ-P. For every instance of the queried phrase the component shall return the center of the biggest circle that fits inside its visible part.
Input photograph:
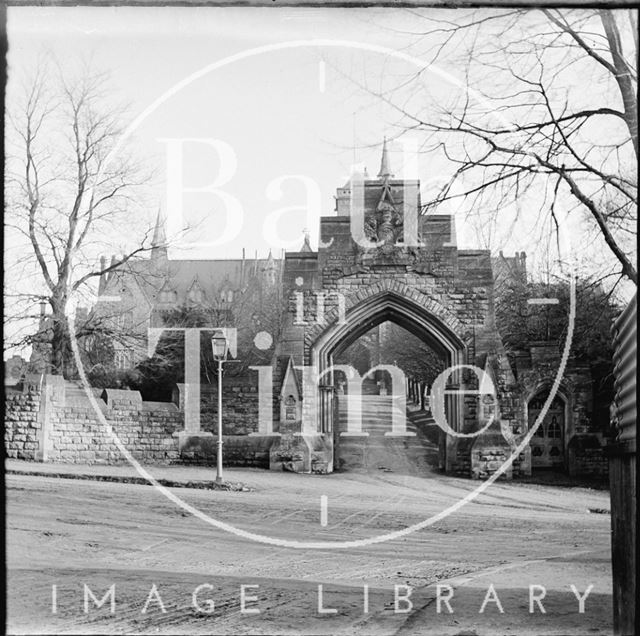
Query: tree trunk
(62, 362)
(622, 76)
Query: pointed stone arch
(412, 310)
(388, 300)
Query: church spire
(385, 168)
(269, 269)
(102, 281)
(159, 242)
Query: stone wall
(239, 405)
(587, 457)
(47, 419)
(487, 458)
(243, 445)
(146, 432)
(238, 450)
(22, 426)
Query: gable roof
(291, 375)
(212, 276)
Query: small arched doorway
(548, 442)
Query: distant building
(143, 293)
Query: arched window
(195, 293)
(123, 359)
(167, 296)
(226, 296)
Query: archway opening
(381, 361)
(373, 356)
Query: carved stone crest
(385, 225)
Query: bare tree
(549, 117)
(390, 343)
(520, 325)
(68, 201)
(251, 310)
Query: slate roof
(212, 276)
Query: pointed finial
(306, 246)
(102, 281)
(159, 241)
(385, 168)
(159, 234)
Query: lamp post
(220, 347)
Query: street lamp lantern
(220, 347)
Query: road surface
(73, 539)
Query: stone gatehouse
(427, 285)
(379, 259)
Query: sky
(290, 110)
(274, 106)
(280, 112)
